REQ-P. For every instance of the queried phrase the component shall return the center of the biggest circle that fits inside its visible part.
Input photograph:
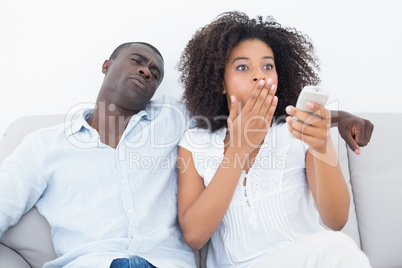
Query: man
(107, 182)
(89, 183)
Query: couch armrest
(377, 183)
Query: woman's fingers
(272, 108)
(301, 129)
(311, 128)
(267, 103)
(233, 110)
(318, 113)
(254, 99)
(261, 97)
(254, 119)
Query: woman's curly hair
(203, 64)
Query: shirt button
(123, 181)
(130, 211)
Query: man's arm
(356, 131)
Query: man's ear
(105, 66)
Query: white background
(52, 51)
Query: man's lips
(138, 82)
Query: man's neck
(109, 124)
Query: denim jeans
(133, 262)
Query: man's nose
(144, 72)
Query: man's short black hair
(128, 44)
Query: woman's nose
(257, 76)
(256, 79)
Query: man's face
(132, 78)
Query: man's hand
(356, 131)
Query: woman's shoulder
(201, 139)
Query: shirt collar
(74, 125)
(151, 111)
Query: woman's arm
(328, 186)
(324, 175)
(200, 209)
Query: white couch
(374, 178)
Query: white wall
(52, 51)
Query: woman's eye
(241, 68)
(268, 67)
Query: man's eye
(241, 67)
(135, 60)
(155, 75)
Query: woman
(251, 175)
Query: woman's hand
(312, 128)
(249, 125)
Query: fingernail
(357, 151)
(273, 87)
(287, 119)
(310, 105)
(275, 98)
(232, 98)
(269, 81)
(262, 82)
(288, 109)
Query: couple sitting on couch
(105, 211)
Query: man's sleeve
(21, 183)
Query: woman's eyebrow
(240, 58)
(246, 58)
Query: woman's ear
(105, 66)
(224, 91)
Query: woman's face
(249, 62)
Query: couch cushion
(377, 185)
(31, 239)
(11, 259)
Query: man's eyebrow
(153, 66)
(140, 55)
(245, 58)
